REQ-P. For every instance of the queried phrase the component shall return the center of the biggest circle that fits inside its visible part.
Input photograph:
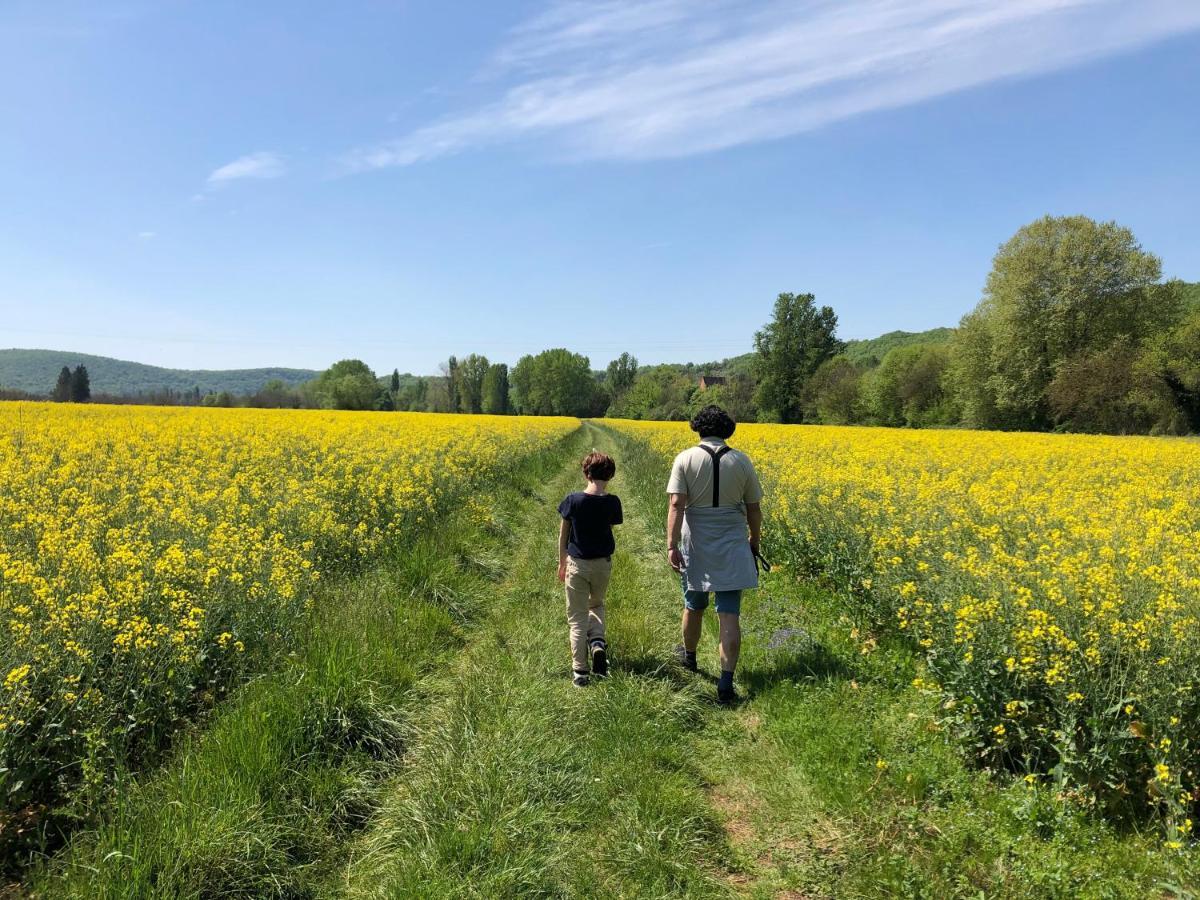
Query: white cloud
(644, 79)
(253, 165)
(147, 235)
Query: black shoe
(727, 696)
(687, 660)
(600, 659)
(582, 679)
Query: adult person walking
(714, 526)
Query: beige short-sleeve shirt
(691, 474)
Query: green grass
(520, 784)
(838, 783)
(426, 741)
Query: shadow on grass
(653, 665)
(813, 662)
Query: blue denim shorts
(727, 601)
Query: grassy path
(517, 783)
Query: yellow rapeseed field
(1051, 582)
(146, 553)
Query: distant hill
(862, 352)
(35, 371)
(870, 352)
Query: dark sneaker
(599, 660)
(727, 696)
(582, 679)
(687, 660)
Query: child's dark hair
(599, 467)
(712, 421)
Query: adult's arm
(754, 519)
(564, 536)
(678, 503)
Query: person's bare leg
(731, 640)
(693, 624)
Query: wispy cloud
(147, 235)
(253, 165)
(644, 79)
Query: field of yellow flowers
(148, 555)
(1050, 582)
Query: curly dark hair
(712, 421)
(599, 467)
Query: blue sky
(225, 184)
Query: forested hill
(870, 352)
(862, 352)
(35, 371)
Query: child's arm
(564, 535)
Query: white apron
(715, 547)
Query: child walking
(585, 549)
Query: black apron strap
(715, 455)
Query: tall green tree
(620, 375)
(81, 385)
(833, 396)
(909, 388)
(413, 395)
(395, 381)
(1097, 391)
(1061, 287)
(471, 372)
(662, 393)
(553, 383)
(1169, 374)
(437, 395)
(792, 346)
(62, 388)
(452, 386)
(495, 390)
(970, 371)
(347, 384)
(735, 396)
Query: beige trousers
(587, 583)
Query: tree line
(1076, 330)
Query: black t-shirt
(592, 517)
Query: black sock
(726, 681)
(690, 656)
